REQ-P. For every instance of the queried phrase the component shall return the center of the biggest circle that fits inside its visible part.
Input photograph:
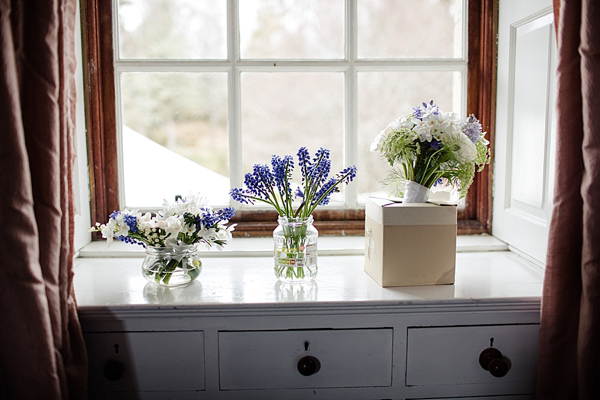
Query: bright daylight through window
(205, 89)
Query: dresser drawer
(511, 397)
(450, 355)
(305, 359)
(145, 361)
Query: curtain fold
(42, 353)
(569, 347)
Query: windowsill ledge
(483, 280)
(487, 272)
(263, 247)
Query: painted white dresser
(236, 333)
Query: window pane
(385, 96)
(174, 136)
(292, 29)
(172, 29)
(409, 28)
(282, 112)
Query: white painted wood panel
(512, 397)
(450, 355)
(525, 131)
(151, 361)
(531, 57)
(263, 360)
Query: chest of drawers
(238, 334)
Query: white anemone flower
(224, 232)
(120, 227)
(188, 229)
(209, 235)
(107, 233)
(146, 223)
(404, 122)
(465, 149)
(191, 204)
(115, 227)
(450, 123)
(430, 126)
(422, 129)
(172, 225)
(381, 136)
(377, 142)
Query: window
(239, 86)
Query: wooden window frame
(475, 218)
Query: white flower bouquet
(176, 230)
(430, 147)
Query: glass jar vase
(171, 266)
(295, 249)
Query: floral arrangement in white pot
(430, 147)
(172, 236)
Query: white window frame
(81, 183)
(524, 227)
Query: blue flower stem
(300, 208)
(166, 272)
(273, 196)
(295, 239)
(289, 197)
(263, 201)
(315, 180)
(327, 193)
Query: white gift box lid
(389, 212)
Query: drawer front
(450, 355)
(275, 359)
(511, 397)
(145, 361)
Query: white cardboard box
(410, 244)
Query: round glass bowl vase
(295, 242)
(172, 266)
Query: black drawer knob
(114, 370)
(309, 365)
(491, 359)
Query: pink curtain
(569, 352)
(42, 354)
